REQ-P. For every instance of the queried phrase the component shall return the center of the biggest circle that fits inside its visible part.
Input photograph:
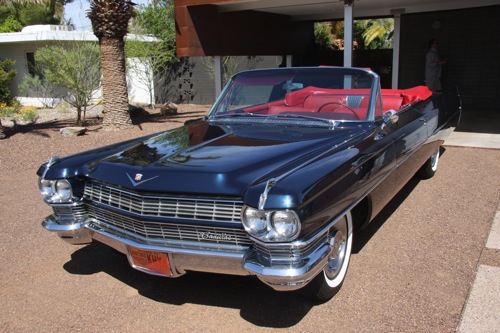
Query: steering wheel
(339, 107)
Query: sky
(77, 12)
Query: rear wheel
(430, 166)
(330, 280)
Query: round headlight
(46, 189)
(285, 223)
(254, 221)
(63, 190)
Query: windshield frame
(373, 91)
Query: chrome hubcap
(338, 244)
(434, 160)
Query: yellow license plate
(150, 261)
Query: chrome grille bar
(160, 231)
(69, 213)
(164, 206)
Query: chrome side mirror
(391, 117)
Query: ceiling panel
(334, 9)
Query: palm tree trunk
(114, 87)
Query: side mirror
(391, 117)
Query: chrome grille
(160, 231)
(164, 206)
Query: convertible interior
(340, 104)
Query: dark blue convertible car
(275, 182)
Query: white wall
(139, 77)
(137, 88)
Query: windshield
(343, 94)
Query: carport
(467, 30)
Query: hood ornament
(137, 180)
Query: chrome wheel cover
(338, 260)
(435, 160)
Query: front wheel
(327, 283)
(430, 166)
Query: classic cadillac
(275, 182)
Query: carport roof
(317, 10)
(271, 27)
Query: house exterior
(21, 47)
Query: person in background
(433, 64)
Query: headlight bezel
(56, 191)
(272, 228)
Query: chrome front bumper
(239, 261)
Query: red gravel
(412, 272)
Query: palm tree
(379, 28)
(110, 24)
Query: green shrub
(11, 24)
(6, 77)
(28, 114)
(16, 112)
(8, 110)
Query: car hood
(206, 158)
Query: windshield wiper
(243, 114)
(301, 116)
(281, 118)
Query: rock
(72, 131)
(168, 109)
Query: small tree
(76, 68)
(38, 86)
(155, 19)
(152, 64)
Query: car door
(402, 134)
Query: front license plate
(150, 261)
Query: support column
(218, 75)
(395, 50)
(289, 60)
(348, 34)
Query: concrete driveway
(412, 270)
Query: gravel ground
(412, 270)
(22, 138)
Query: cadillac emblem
(137, 180)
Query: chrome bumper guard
(242, 261)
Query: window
(30, 59)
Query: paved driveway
(412, 270)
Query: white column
(348, 44)
(218, 75)
(289, 60)
(396, 46)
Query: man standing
(433, 67)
